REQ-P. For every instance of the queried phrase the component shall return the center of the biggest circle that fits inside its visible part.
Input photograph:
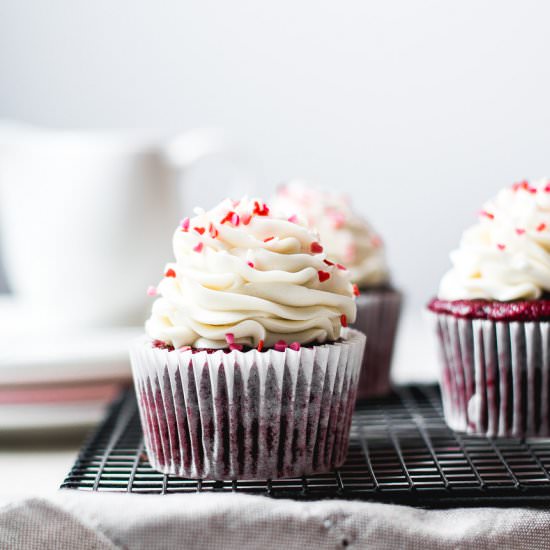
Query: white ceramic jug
(87, 217)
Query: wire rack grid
(400, 451)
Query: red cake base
(519, 310)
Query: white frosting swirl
(348, 239)
(254, 277)
(506, 255)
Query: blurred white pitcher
(87, 217)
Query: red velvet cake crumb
(163, 345)
(519, 310)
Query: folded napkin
(71, 519)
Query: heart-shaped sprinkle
(295, 346)
(262, 210)
(151, 291)
(198, 247)
(280, 345)
(260, 345)
(213, 231)
(199, 230)
(185, 224)
(170, 273)
(316, 248)
(228, 217)
(343, 320)
(323, 275)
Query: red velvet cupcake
(350, 241)
(492, 319)
(247, 370)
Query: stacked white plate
(53, 379)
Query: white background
(419, 109)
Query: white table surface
(35, 465)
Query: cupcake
(246, 370)
(492, 318)
(350, 241)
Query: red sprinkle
(520, 231)
(520, 185)
(355, 290)
(250, 264)
(170, 273)
(235, 220)
(268, 239)
(213, 231)
(230, 338)
(260, 345)
(501, 246)
(228, 217)
(198, 247)
(262, 210)
(280, 345)
(541, 227)
(185, 224)
(245, 218)
(199, 230)
(342, 267)
(293, 218)
(344, 320)
(487, 214)
(316, 248)
(295, 346)
(323, 275)
(337, 219)
(547, 188)
(328, 262)
(238, 347)
(525, 186)
(376, 241)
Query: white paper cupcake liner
(247, 415)
(377, 317)
(495, 376)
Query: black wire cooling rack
(400, 451)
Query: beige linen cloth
(86, 521)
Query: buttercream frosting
(244, 277)
(506, 255)
(347, 237)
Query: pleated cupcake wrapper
(247, 415)
(495, 376)
(377, 317)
